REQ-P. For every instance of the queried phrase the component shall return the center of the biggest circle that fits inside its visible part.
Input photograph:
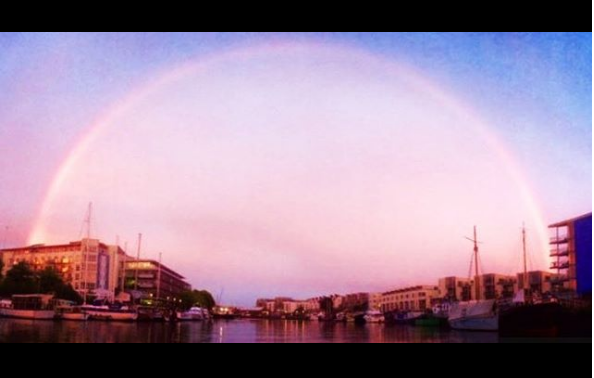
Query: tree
(197, 298)
(20, 280)
(206, 300)
(67, 292)
(50, 282)
(1, 270)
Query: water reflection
(244, 331)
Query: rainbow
(408, 74)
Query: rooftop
(131, 265)
(570, 221)
(42, 247)
(412, 288)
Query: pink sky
(283, 173)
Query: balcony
(559, 279)
(560, 253)
(559, 240)
(560, 265)
(146, 285)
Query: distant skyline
(297, 164)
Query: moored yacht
(194, 314)
(73, 313)
(30, 307)
(374, 317)
(474, 316)
(106, 313)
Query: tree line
(22, 279)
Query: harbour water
(240, 331)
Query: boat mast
(137, 260)
(526, 285)
(477, 284)
(86, 250)
(123, 271)
(159, 277)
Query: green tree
(67, 292)
(201, 298)
(206, 300)
(50, 282)
(20, 279)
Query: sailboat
(477, 315)
(527, 317)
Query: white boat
(474, 316)
(104, 313)
(374, 317)
(28, 314)
(72, 313)
(30, 307)
(193, 315)
(4, 304)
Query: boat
(374, 316)
(479, 315)
(30, 307)
(150, 314)
(224, 313)
(402, 317)
(341, 317)
(68, 310)
(532, 320)
(72, 313)
(533, 315)
(431, 321)
(436, 318)
(219, 316)
(5, 304)
(194, 314)
(106, 313)
(476, 315)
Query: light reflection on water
(241, 331)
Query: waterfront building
(417, 298)
(497, 286)
(571, 250)
(154, 280)
(355, 302)
(337, 301)
(456, 289)
(85, 264)
(538, 281)
(268, 305)
(375, 301)
(290, 307)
